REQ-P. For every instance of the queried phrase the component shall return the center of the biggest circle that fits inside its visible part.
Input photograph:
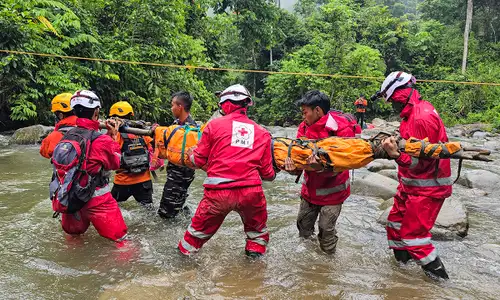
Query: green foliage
(349, 37)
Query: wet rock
(381, 164)
(378, 122)
(457, 132)
(480, 135)
(393, 174)
(452, 219)
(215, 115)
(386, 204)
(4, 141)
(492, 145)
(469, 129)
(286, 132)
(375, 185)
(29, 135)
(395, 124)
(481, 179)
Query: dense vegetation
(353, 37)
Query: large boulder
(391, 173)
(375, 185)
(381, 164)
(480, 135)
(492, 145)
(286, 132)
(452, 219)
(29, 135)
(378, 122)
(395, 124)
(4, 141)
(386, 204)
(481, 179)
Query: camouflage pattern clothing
(178, 181)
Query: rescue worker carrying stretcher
(179, 178)
(133, 178)
(235, 153)
(79, 188)
(323, 191)
(424, 184)
(66, 119)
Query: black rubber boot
(165, 214)
(402, 256)
(253, 254)
(435, 269)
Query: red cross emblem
(242, 131)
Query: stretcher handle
(131, 130)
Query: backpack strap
(184, 139)
(167, 140)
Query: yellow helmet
(121, 109)
(61, 103)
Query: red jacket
(104, 152)
(49, 143)
(423, 177)
(326, 188)
(235, 151)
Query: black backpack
(135, 155)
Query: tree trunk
(468, 24)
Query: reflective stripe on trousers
(105, 189)
(394, 225)
(333, 190)
(429, 258)
(256, 236)
(409, 242)
(217, 180)
(198, 234)
(427, 182)
(188, 246)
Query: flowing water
(40, 262)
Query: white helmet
(395, 80)
(86, 99)
(235, 92)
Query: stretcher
(334, 153)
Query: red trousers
(103, 212)
(409, 225)
(248, 202)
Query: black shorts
(142, 192)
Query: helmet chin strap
(409, 96)
(221, 111)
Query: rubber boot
(402, 256)
(435, 269)
(253, 254)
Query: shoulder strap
(171, 135)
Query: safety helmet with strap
(61, 103)
(236, 92)
(121, 109)
(394, 81)
(86, 99)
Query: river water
(40, 262)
